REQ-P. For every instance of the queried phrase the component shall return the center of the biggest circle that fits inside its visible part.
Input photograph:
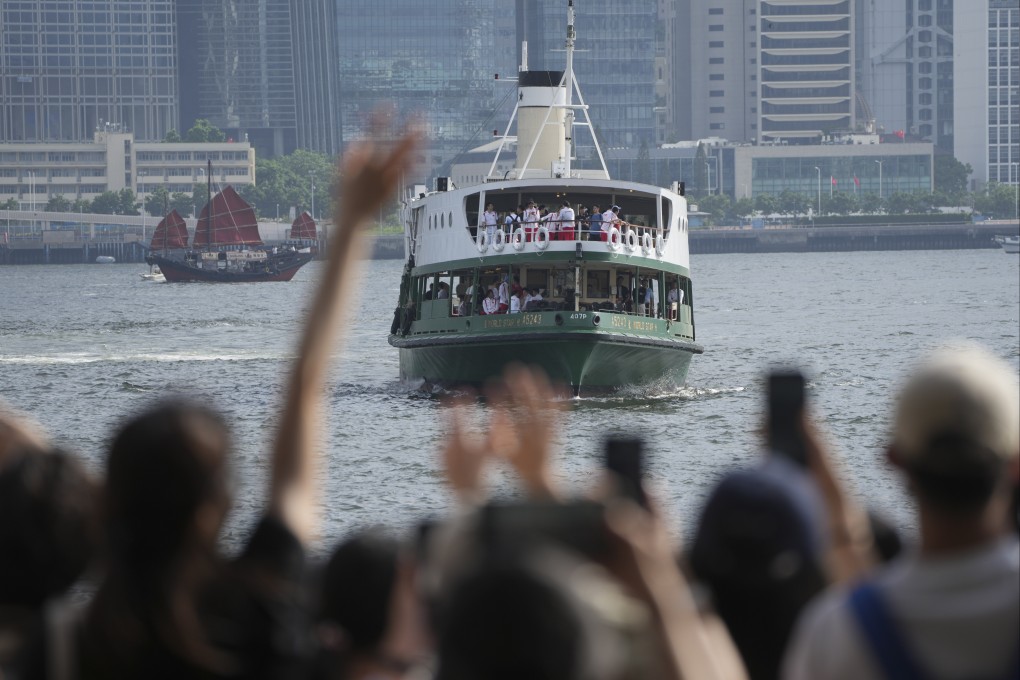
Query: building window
(715, 10)
(716, 43)
(715, 27)
(716, 60)
(715, 76)
(717, 109)
(717, 126)
(716, 93)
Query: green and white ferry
(617, 306)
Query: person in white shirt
(950, 609)
(515, 303)
(566, 218)
(675, 294)
(610, 219)
(530, 219)
(503, 297)
(510, 221)
(489, 304)
(489, 220)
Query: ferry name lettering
(515, 321)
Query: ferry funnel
(541, 124)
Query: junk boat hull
(281, 269)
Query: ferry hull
(176, 271)
(587, 362)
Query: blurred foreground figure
(168, 605)
(953, 609)
(47, 539)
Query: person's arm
(370, 174)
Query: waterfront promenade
(28, 237)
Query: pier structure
(37, 237)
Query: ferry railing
(579, 231)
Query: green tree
(898, 203)
(128, 202)
(951, 175)
(172, 137)
(766, 204)
(157, 202)
(181, 202)
(199, 197)
(840, 203)
(795, 202)
(10, 204)
(204, 131)
(81, 205)
(742, 207)
(58, 203)
(997, 201)
(921, 202)
(701, 175)
(106, 203)
(717, 206)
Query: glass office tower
(615, 61)
(69, 67)
(436, 58)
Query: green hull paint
(587, 361)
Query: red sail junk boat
(228, 225)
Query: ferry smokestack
(541, 118)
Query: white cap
(964, 393)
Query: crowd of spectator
(784, 575)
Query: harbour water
(83, 345)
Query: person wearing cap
(530, 219)
(952, 608)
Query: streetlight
(819, 171)
(277, 212)
(31, 191)
(708, 175)
(880, 179)
(313, 200)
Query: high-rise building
(986, 108)
(716, 70)
(316, 75)
(237, 70)
(805, 69)
(905, 66)
(615, 62)
(69, 68)
(434, 58)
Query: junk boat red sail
(226, 247)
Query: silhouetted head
(357, 585)
(17, 435)
(47, 526)
(166, 485)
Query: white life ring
(660, 244)
(631, 238)
(542, 238)
(615, 239)
(517, 238)
(482, 241)
(499, 240)
(646, 242)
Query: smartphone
(624, 459)
(786, 409)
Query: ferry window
(472, 209)
(563, 281)
(442, 220)
(597, 285)
(536, 278)
(451, 218)
(667, 213)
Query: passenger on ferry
(566, 219)
(622, 290)
(429, 293)
(610, 219)
(623, 304)
(444, 291)
(675, 294)
(464, 308)
(503, 297)
(489, 304)
(490, 220)
(531, 218)
(516, 303)
(595, 224)
(511, 221)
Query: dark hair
(47, 526)
(956, 474)
(356, 587)
(165, 466)
(506, 622)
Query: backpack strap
(888, 647)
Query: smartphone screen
(624, 459)
(786, 408)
